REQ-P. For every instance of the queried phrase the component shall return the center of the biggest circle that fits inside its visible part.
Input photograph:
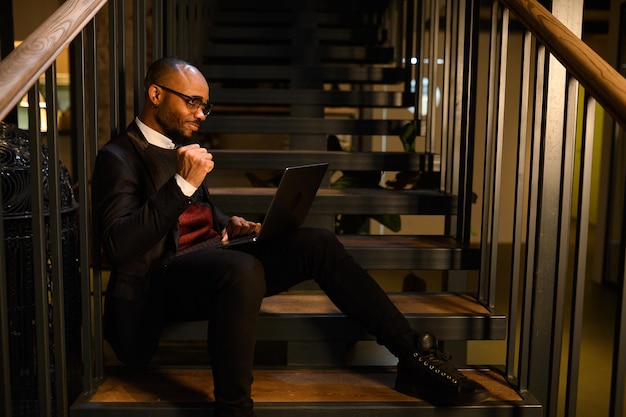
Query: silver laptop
(289, 207)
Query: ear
(154, 95)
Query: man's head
(177, 99)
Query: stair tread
(323, 192)
(363, 35)
(345, 73)
(331, 201)
(411, 252)
(295, 303)
(341, 17)
(249, 159)
(363, 5)
(310, 315)
(330, 98)
(271, 386)
(301, 125)
(345, 53)
(402, 241)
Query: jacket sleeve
(132, 217)
(220, 218)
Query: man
(151, 197)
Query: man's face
(175, 117)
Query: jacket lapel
(140, 143)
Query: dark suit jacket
(137, 216)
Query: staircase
(324, 81)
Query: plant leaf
(407, 137)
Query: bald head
(164, 69)
(172, 85)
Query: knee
(319, 237)
(322, 252)
(325, 243)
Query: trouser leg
(225, 287)
(317, 254)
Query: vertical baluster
(580, 255)
(5, 359)
(518, 212)
(56, 246)
(40, 279)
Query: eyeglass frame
(206, 105)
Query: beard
(177, 136)
(170, 127)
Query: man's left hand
(238, 226)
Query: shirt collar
(153, 137)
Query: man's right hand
(193, 163)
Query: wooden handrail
(23, 66)
(598, 77)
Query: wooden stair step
(333, 201)
(455, 316)
(338, 17)
(366, 201)
(282, 73)
(428, 252)
(252, 159)
(300, 125)
(310, 303)
(407, 252)
(308, 315)
(363, 5)
(289, 392)
(328, 98)
(326, 53)
(367, 35)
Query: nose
(200, 114)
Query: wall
(28, 15)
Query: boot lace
(438, 362)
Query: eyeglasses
(193, 102)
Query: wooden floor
(274, 385)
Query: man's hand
(193, 163)
(238, 226)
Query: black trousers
(226, 286)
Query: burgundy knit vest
(195, 225)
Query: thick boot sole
(437, 397)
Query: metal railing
(536, 124)
(551, 198)
(20, 73)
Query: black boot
(429, 375)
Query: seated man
(151, 197)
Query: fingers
(194, 163)
(238, 226)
